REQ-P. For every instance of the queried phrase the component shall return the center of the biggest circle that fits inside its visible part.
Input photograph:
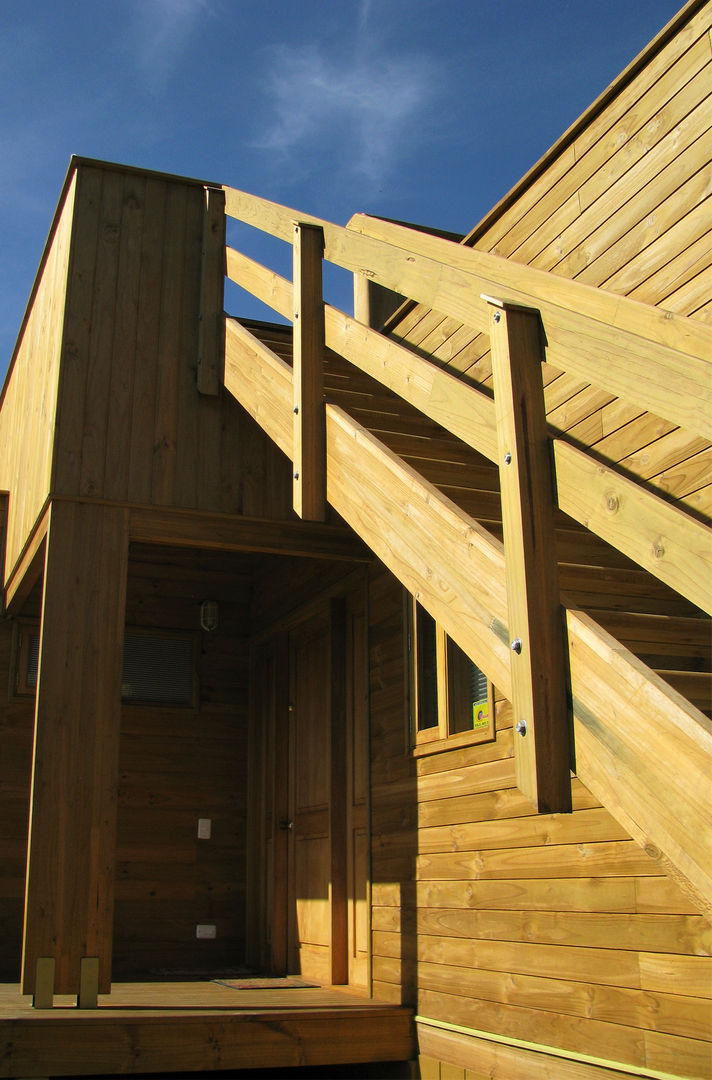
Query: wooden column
(337, 803)
(71, 849)
(539, 673)
(211, 329)
(374, 304)
(309, 486)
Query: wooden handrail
(660, 537)
(627, 721)
(667, 369)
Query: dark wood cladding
(181, 764)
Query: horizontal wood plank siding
(492, 917)
(181, 764)
(624, 206)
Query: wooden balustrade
(667, 368)
(660, 537)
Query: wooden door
(310, 871)
(308, 884)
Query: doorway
(310, 866)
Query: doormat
(290, 982)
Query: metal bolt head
(507, 458)
(521, 727)
(295, 410)
(497, 316)
(296, 476)
(517, 645)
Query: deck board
(191, 1026)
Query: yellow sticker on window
(480, 715)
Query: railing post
(211, 332)
(538, 665)
(309, 460)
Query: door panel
(312, 732)
(310, 760)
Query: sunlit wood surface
(185, 1026)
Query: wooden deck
(196, 1026)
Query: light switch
(204, 828)
(206, 931)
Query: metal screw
(517, 645)
(497, 316)
(296, 476)
(521, 728)
(507, 458)
(295, 410)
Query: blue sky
(422, 110)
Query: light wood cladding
(491, 917)
(71, 846)
(624, 205)
(132, 426)
(101, 401)
(29, 399)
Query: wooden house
(370, 655)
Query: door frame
(270, 859)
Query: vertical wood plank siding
(132, 426)
(28, 406)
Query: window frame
(439, 736)
(27, 629)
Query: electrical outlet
(206, 931)
(204, 828)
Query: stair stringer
(640, 747)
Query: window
(27, 652)
(451, 699)
(158, 667)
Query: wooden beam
(452, 566)
(43, 996)
(337, 802)
(374, 305)
(261, 382)
(667, 368)
(179, 1038)
(309, 468)
(645, 753)
(88, 982)
(212, 277)
(72, 834)
(660, 537)
(539, 679)
(28, 568)
(227, 532)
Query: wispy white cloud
(360, 112)
(162, 32)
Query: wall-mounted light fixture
(209, 613)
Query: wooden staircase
(598, 570)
